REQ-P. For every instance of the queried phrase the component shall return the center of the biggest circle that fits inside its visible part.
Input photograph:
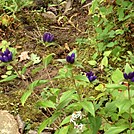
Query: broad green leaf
(123, 105)
(66, 120)
(104, 61)
(120, 12)
(95, 123)
(116, 130)
(43, 125)
(30, 89)
(100, 87)
(64, 130)
(89, 107)
(54, 117)
(25, 96)
(64, 103)
(66, 95)
(107, 53)
(9, 78)
(116, 86)
(92, 62)
(117, 76)
(46, 103)
(81, 78)
(128, 69)
(47, 60)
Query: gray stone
(8, 125)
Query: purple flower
(6, 56)
(129, 76)
(71, 59)
(48, 37)
(91, 77)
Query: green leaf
(107, 53)
(92, 62)
(64, 130)
(9, 67)
(63, 104)
(66, 95)
(9, 78)
(89, 107)
(46, 103)
(47, 60)
(120, 12)
(128, 69)
(104, 61)
(116, 130)
(66, 120)
(94, 6)
(31, 88)
(43, 125)
(117, 76)
(95, 123)
(9, 72)
(123, 105)
(116, 86)
(81, 78)
(100, 87)
(25, 96)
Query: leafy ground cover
(67, 67)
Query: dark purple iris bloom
(6, 56)
(129, 76)
(48, 37)
(91, 77)
(71, 59)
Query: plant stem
(130, 114)
(76, 87)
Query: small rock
(49, 15)
(8, 124)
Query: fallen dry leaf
(24, 56)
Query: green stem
(130, 114)
(76, 87)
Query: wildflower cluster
(91, 77)
(48, 37)
(6, 56)
(129, 76)
(74, 117)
